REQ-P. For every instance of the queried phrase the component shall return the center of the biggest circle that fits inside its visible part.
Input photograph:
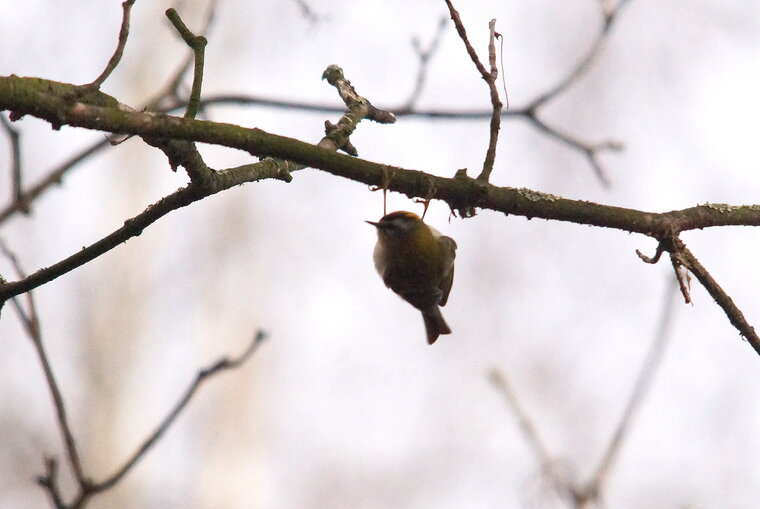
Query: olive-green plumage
(417, 263)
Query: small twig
(656, 257)
(683, 260)
(49, 482)
(116, 57)
(468, 46)
(640, 390)
(495, 104)
(734, 314)
(180, 152)
(223, 364)
(490, 79)
(682, 276)
(198, 44)
(335, 77)
(337, 135)
(170, 91)
(16, 174)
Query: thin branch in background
(311, 107)
(307, 11)
(610, 14)
(574, 493)
(29, 319)
(49, 481)
(221, 365)
(589, 151)
(32, 325)
(611, 11)
(52, 178)
(490, 79)
(548, 465)
(16, 172)
(116, 57)
(169, 97)
(424, 54)
(595, 487)
(86, 487)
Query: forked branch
(489, 76)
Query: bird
(417, 262)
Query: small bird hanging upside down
(417, 263)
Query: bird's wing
(450, 248)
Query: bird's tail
(435, 325)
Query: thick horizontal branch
(63, 104)
(59, 104)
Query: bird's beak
(376, 225)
